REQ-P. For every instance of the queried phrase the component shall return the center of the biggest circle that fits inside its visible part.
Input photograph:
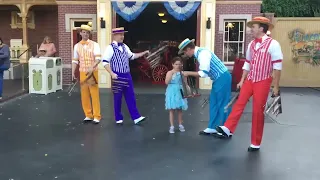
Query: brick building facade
(65, 36)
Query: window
(233, 39)
(78, 24)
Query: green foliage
(315, 7)
(292, 8)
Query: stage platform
(42, 138)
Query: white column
(104, 38)
(208, 10)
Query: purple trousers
(124, 86)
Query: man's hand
(275, 91)
(90, 70)
(146, 52)
(239, 85)
(74, 77)
(186, 73)
(114, 76)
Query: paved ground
(42, 138)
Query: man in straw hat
(116, 61)
(87, 55)
(210, 66)
(263, 64)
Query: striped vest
(260, 64)
(86, 55)
(119, 62)
(217, 68)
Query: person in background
(41, 53)
(48, 46)
(4, 62)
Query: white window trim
(223, 40)
(70, 17)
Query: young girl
(174, 100)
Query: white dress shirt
(204, 61)
(274, 50)
(96, 52)
(108, 53)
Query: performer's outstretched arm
(132, 55)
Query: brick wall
(46, 24)
(65, 44)
(253, 9)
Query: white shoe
(181, 128)
(224, 131)
(96, 121)
(140, 119)
(87, 119)
(210, 131)
(119, 122)
(171, 130)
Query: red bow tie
(258, 40)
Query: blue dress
(174, 99)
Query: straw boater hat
(86, 27)
(262, 20)
(183, 44)
(118, 30)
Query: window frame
(224, 36)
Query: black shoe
(220, 136)
(86, 121)
(205, 133)
(222, 133)
(95, 122)
(251, 149)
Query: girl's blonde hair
(47, 38)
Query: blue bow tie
(120, 44)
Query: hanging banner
(129, 10)
(181, 10)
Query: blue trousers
(219, 97)
(1, 82)
(129, 96)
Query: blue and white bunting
(129, 10)
(181, 10)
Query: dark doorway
(148, 31)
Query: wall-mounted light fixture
(160, 14)
(230, 25)
(164, 21)
(209, 23)
(102, 23)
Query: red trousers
(260, 91)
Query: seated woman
(47, 46)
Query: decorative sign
(305, 47)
